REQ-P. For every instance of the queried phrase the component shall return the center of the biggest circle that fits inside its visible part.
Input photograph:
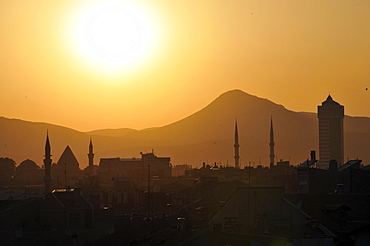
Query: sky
(91, 64)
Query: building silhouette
(29, 173)
(47, 164)
(91, 158)
(136, 169)
(66, 170)
(330, 115)
(236, 146)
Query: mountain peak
(236, 93)
(238, 101)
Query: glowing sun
(113, 36)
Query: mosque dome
(28, 164)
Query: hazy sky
(74, 63)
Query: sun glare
(113, 36)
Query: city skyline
(295, 135)
(196, 52)
(138, 122)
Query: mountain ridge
(204, 136)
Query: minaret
(47, 165)
(91, 157)
(236, 146)
(272, 146)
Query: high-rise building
(331, 145)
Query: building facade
(137, 169)
(331, 141)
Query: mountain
(121, 132)
(205, 136)
(21, 140)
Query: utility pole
(148, 191)
(65, 174)
(272, 146)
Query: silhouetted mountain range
(205, 136)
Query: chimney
(313, 155)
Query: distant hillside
(23, 140)
(205, 136)
(111, 132)
(217, 120)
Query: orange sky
(291, 52)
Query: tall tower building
(91, 157)
(47, 165)
(236, 146)
(331, 146)
(272, 145)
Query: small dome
(27, 164)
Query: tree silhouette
(7, 169)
